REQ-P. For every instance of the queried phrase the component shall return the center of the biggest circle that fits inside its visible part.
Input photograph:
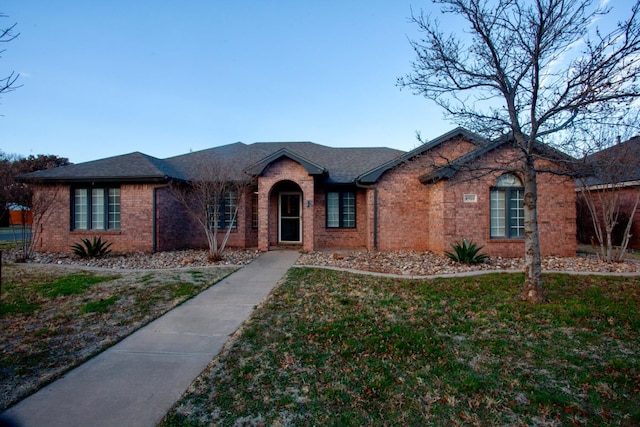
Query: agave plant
(91, 248)
(466, 252)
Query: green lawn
(333, 348)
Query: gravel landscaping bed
(141, 261)
(428, 264)
(399, 263)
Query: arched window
(507, 208)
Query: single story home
(615, 181)
(314, 197)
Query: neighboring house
(615, 174)
(315, 197)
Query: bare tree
(609, 199)
(7, 35)
(212, 197)
(42, 205)
(529, 69)
(15, 192)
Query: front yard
(336, 348)
(53, 318)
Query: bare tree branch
(212, 198)
(8, 83)
(528, 69)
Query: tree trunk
(533, 290)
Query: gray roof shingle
(617, 164)
(342, 165)
(133, 167)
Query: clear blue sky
(166, 77)
(103, 78)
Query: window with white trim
(341, 209)
(507, 208)
(95, 209)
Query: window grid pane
(97, 209)
(349, 210)
(516, 213)
(497, 207)
(333, 210)
(230, 210)
(80, 214)
(114, 209)
(213, 213)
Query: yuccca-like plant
(91, 248)
(466, 252)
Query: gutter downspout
(375, 211)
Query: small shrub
(91, 248)
(466, 252)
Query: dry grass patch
(333, 348)
(54, 318)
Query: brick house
(314, 197)
(615, 173)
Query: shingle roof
(342, 165)
(133, 167)
(617, 164)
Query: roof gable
(311, 167)
(373, 175)
(448, 170)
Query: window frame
(220, 222)
(343, 215)
(109, 218)
(512, 217)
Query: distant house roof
(617, 164)
(339, 165)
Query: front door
(290, 218)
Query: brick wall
(54, 234)
(415, 216)
(340, 237)
(284, 175)
(556, 214)
(410, 214)
(177, 229)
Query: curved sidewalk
(135, 382)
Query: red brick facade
(397, 212)
(415, 216)
(54, 232)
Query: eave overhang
(94, 180)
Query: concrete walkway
(135, 382)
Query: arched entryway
(287, 226)
(285, 206)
